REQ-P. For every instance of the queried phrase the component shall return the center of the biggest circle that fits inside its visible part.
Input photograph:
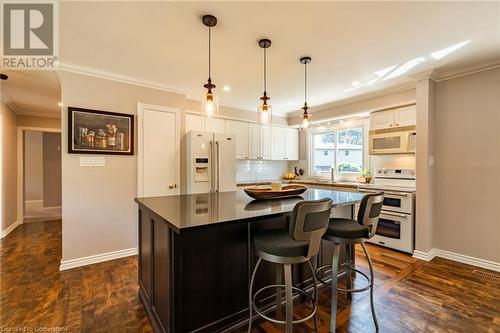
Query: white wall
(9, 167)
(33, 166)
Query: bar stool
(308, 223)
(350, 232)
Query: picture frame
(100, 132)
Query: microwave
(393, 141)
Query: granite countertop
(194, 210)
(302, 181)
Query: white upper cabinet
(215, 125)
(265, 142)
(254, 142)
(406, 116)
(278, 145)
(292, 144)
(194, 123)
(382, 119)
(240, 130)
(403, 116)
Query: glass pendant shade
(209, 105)
(306, 119)
(265, 113)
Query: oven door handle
(394, 214)
(401, 194)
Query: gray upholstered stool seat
(279, 243)
(346, 228)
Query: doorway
(41, 175)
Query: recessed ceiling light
(226, 88)
(328, 123)
(341, 121)
(404, 68)
(450, 49)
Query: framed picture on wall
(100, 132)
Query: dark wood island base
(196, 256)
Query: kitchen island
(196, 255)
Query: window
(341, 149)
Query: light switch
(432, 161)
(92, 161)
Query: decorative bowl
(265, 193)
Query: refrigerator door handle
(218, 165)
(211, 166)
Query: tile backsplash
(260, 170)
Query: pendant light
(306, 117)
(265, 110)
(209, 101)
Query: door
(225, 162)
(254, 142)
(406, 116)
(265, 142)
(159, 151)
(240, 131)
(278, 143)
(292, 144)
(382, 119)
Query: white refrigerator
(210, 162)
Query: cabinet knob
(397, 124)
(172, 186)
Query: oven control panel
(395, 173)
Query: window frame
(348, 176)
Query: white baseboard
(427, 256)
(73, 263)
(9, 229)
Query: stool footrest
(274, 320)
(346, 270)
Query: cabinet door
(254, 141)
(278, 143)
(215, 125)
(265, 142)
(292, 144)
(382, 119)
(194, 123)
(240, 130)
(406, 116)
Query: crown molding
(468, 70)
(5, 100)
(359, 98)
(425, 75)
(107, 75)
(38, 114)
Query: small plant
(364, 173)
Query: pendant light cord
(265, 71)
(305, 83)
(209, 49)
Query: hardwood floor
(411, 295)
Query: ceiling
(165, 43)
(32, 92)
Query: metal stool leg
(315, 290)
(348, 275)
(289, 298)
(335, 271)
(374, 315)
(279, 280)
(250, 305)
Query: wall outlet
(92, 161)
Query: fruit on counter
(289, 176)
